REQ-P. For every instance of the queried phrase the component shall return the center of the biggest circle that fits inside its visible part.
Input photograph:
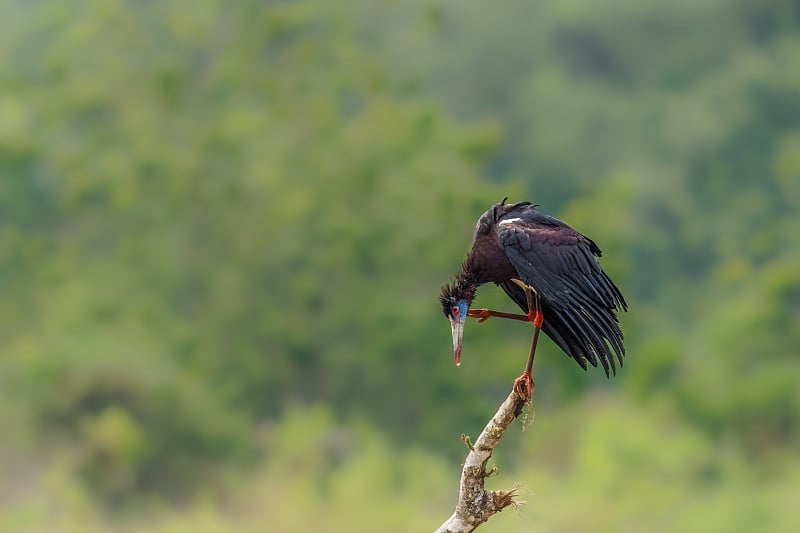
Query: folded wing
(578, 299)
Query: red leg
(523, 385)
(485, 314)
(536, 317)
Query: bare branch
(475, 504)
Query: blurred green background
(224, 225)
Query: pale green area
(224, 225)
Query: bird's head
(455, 303)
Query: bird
(551, 271)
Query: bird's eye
(454, 310)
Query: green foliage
(212, 219)
(320, 475)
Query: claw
(481, 314)
(523, 386)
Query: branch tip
(475, 504)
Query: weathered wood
(475, 504)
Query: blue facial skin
(458, 314)
(462, 310)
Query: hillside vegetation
(223, 229)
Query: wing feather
(579, 299)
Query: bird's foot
(481, 314)
(523, 386)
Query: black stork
(551, 271)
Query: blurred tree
(232, 201)
(210, 215)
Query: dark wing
(578, 299)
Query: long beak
(457, 327)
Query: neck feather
(467, 280)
